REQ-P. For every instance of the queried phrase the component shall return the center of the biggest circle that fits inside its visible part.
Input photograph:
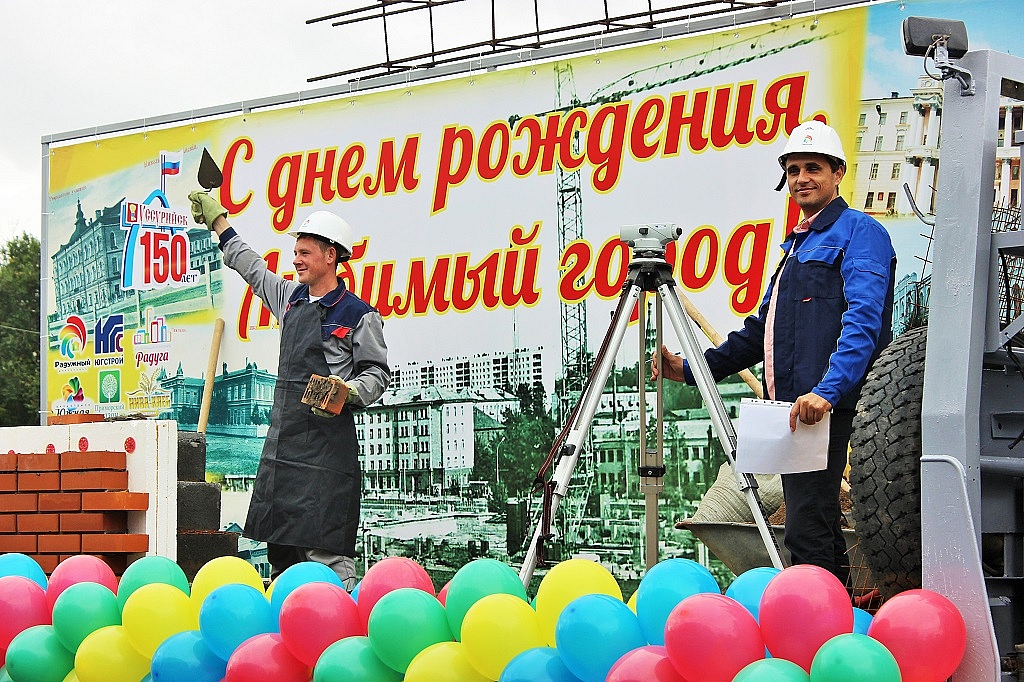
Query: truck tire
(885, 465)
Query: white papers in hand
(765, 445)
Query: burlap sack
(723, 502)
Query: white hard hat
(814, 137)
(328, 226)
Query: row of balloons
(83, 625)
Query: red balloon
(646, 664)
(22, 605)
(265, 657)
(386, 576)
(711, 637)
(315, 616)
(802, 608)
(443, 594)
(81, 568)
(924, 632)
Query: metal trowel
(209, 175)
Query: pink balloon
(265, 657)
(443, 594)
(386, 576)
(646, 664)
(924, 632)
(315, 616)
(802, 608)
(22, 605)
(711, 637)
(81, 568)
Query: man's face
(313, 264)
(812, 182)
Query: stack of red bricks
(55, 505)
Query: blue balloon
(748, 587)
(355, 592)
(185, 657)
(663, 587)
(232, 614)
(22, 565)
(300, 574)
(593, 632)
(542, 664)
(861, 620)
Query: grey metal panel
(470, 66)
(44, 284)
(951, 563)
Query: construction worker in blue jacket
(305, 502)
(826, 316)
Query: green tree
(19, 332)
(528, 436)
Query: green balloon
(80, 610)
(4, 677)
(405, 622)
(473, 582)
(854, 657)
(352, 660)
(36, 654)
(772, 670)
(147, 570)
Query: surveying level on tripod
(648, 271)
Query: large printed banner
(487, 210)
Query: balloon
(711, 637)
(23, 565)
(36, 655)
(353, 660)
(443, 661)
(924, 631)
(861, 621)
(185, 657)
(23, 605)
(772, 670)
(300, 574)
(153, 613)
(475, 580)
(567, 581)
(82, 609)
(4, 677)
(496, 629)
(442, 594)
(632, 603)
(147, 570)
(316, 615)
(803, 607)
(854, 657)
(386, 576)
(107, 656)
(232, 614)
(263, 658)
(542, 664)
(749, 586)
(81, 568)
(593, 632)
(224, 570)
(405, 622)
(665, 585)
(72, 677)
(646, 664)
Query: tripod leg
(719, 416)
(569, 452)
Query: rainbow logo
(73, 391)
(72, 336)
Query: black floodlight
(921, 35)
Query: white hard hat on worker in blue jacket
(812, 137)
(329, 227)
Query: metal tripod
(648, 272)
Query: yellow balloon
(223, 570)
(496, 629)
(567, 581)
(106, 655)
(72, 677)
(153, 613)
(632, 601)
(443, 661)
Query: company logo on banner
(72, 399)
(106, 340)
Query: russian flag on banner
(170, 163)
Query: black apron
(307, 487)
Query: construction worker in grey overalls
(305, 503)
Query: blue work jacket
(833, 312)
